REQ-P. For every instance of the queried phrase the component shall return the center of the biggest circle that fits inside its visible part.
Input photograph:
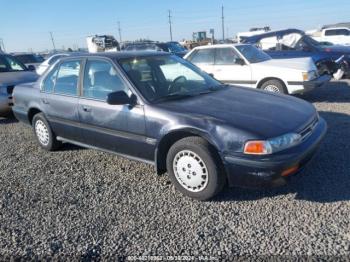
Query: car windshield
(30, 58)
(253, 54)
(10, 64)
(166, 77)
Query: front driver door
(228, 70)
(118, 128)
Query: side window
(54, 59)
(203, 56)
(101, 79)
(50, 80)
(330, 32)
(343, 32)
(67, 78)
(225, 56)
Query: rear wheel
(194, 168)
(44, 134)
(274, 86)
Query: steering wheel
(174, 86)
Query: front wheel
(274, 86)
(194, 168)
(44, 134)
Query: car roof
(119, 55)
(280, 33)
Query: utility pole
(120, 32)
(223, 23)
(171, 32)
(53, 41)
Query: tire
(44, 134)
(195, 169)
(275, 86)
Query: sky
(26, 24)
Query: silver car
(12, 72)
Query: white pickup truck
(334, 35)
(245, 65)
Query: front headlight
(308, 76)
(273, 145)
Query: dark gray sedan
(12, 72)
(160, 109)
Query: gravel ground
(86, 204)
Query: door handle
(86, 109)
(45, 101)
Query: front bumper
(256, 171)
(295, 87)
(320, 81)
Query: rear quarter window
(49, 82)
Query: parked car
(334, 35)
(12, 72)
(248, 66)
(170, 47)
(203, 133)
(32, 61)
(293, 43)
(48, 62)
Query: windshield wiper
(172, 96)
(180, 95)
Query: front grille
(308, 130)
(10, 89)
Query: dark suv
(160, 109)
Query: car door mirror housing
(240, 61)
(120, 98)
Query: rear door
(60, 99)
(118, 128)
(228, 70)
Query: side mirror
(31, 68)
(240, 61)
(120, 98)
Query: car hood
(302, 64)
(15, 78)
(262, 114)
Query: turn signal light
(290, 170)
(257, 148)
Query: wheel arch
(32, 112)
(172, 137)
